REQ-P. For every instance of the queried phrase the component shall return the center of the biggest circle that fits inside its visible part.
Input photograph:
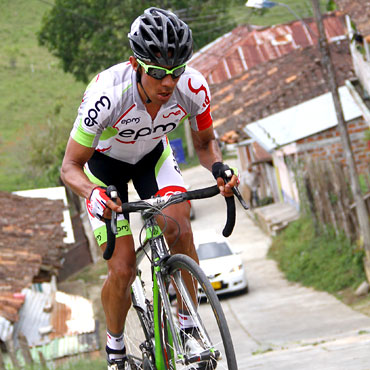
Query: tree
(91, 35)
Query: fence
(325, 191)
(16, 359)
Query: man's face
(159, 91)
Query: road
(278, 324)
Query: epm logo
(93, 113)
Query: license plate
(216, 285)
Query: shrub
(326, 262)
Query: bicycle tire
(209, 312)
(137, 332)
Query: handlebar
(162, 202)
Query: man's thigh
(158, 173)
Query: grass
(91, 274)
(325, 262)
(33, 88)
(76, 364)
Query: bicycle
(153, 337)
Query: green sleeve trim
(108, 133)
(123, 229)
(94, 179)
(84, 138)
(166, 153)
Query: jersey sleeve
(200, 118)
(93, 115)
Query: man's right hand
(97, 203)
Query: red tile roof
(359, 11)
(246, 47)
(274, 86)
(31, 246)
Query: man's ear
(133, 62)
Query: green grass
(33, 88)
(75, 364)
(85, 365)
(91, 274)
(326, 262)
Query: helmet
(160, 37)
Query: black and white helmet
(160, 37)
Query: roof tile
(245, 46)
(31, 238)
(359, 11)
(299, 78)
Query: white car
(223, 267)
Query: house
(34, 246)
(358, 26)
(270, 81)
(284, 102)
(247, 46)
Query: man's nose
(168, 81)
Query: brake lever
(113, 194)
(236, 191)
(240, 198)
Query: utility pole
(361, 210)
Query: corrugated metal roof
(6, 329)
(32, 317)
(72, 314)
(244, 47)
(313, 116)
(68, 319)
(67, 315)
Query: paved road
(281, 325)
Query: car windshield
(213, 250)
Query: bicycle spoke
(212, 338)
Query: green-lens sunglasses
(159, 72)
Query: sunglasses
(159, 72)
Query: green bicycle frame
(159, 360)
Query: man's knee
(122, 274)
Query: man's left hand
(226, 178)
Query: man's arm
(73, 176)
(72, 173)
(207, 148)
(209, 152)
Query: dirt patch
(360, 304)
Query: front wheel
(198, 301)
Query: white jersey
(112, 117)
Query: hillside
(34, 91)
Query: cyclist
(120, 135)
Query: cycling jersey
(112, 117)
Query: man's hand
(225, 177)
(100, 205)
